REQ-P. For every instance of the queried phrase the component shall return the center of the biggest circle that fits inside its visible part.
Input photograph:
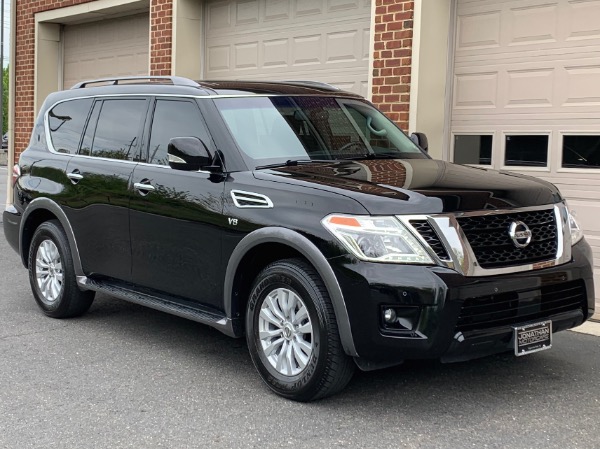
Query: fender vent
(249, 199)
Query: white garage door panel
(270, 39)
(526, 27)
(531, 67)
(115, 47)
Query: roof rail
(308, 83)
(174, 80)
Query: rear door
(100, 174)
(176, 215)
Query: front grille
(430, 236)
(506, 309)
(492, 246)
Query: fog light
(389, 316)
(399, 318)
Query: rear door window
(117, 133)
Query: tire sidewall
(48, 231)
(304, 383)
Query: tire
(300, 356)
(52, 276)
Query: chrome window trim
(463, 258)
(96, 158)
(49, 136)
(146, 95)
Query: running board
(219, 322)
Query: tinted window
(118, 127)
(66, 121)
(174, 119)
(469, 149)
(530, 151)
(581, 151)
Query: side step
(218, 321)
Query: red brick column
(161, 36)
(392, 58)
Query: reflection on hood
(436, 186)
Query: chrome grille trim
(463, 259)
(493, 246)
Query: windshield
(279, 129)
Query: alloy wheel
(49, 270)
(285, 332)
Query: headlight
(377, 239)
(576, 232)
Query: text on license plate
(533, 338)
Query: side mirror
(421, 140)
(188, 153)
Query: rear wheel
(292, 333)
(52, 276)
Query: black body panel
(176, 233)
(98, 210)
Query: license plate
(533, 338)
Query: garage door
(115, 47)
(526, 96)
(320, 40)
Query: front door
(176, 215)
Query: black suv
(297, 215)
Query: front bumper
(442, 299)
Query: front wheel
(292, 333)
(52, 276)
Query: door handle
(144, 187)
(75, 176)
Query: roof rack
(307, 83)
(174, 80)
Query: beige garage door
(320, 40)
(526, 96)
(115, 47)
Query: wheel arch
(281, 243)
(37, 212)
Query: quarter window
(174, 118)
(526, 150)
(118, 127)
(66, 121)
(473, 149)
(581, 152)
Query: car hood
(417, 186)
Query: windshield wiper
(293, 163)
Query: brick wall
(161, 32)
(392, 58)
